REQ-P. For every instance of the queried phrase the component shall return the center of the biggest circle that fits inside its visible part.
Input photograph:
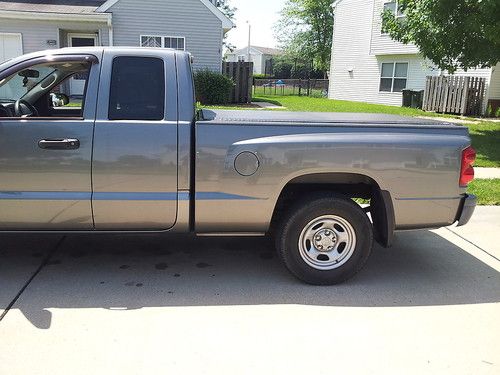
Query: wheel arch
(348, 185)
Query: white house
(197, 26)
(369, 66)
(261, 57)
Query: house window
(393, 77)
(241, 58)
(151, 41)
(175, 42)
(395, 8)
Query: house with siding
(262, 58)
(197, 26)
(369, 66)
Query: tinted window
(137, 89)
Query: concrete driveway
(148, 305)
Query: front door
(77, 83)
(45, 161)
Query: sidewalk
(486, 173)
(267, 105)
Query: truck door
(45, 145)
(134, 168)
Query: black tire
(299, 216)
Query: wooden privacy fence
(454, 95)
(242, 76)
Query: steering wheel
(19, 109)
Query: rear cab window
(137, 89)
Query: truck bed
(416, 160)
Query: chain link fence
(284, 87)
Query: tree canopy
(286, 67)
(453, 34)
(226, 8)
(305, 30)
(230, 11)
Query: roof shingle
(52, 6)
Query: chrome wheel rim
(327, 242)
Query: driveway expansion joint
(473, 244)
(44, 262)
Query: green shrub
(282, 67)
(262, 76)
(489, 111)
(497, 113)
(212, 88)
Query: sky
(262, 15)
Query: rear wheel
(325, 240)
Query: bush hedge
(263, 76)
(212, 88)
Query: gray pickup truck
(129, 153)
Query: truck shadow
(132, 272)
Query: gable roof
(335, 3)
(268, 50)
(262, 50)
(86, 7)
(227, 24)
(53, 6)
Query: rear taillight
(467, 169)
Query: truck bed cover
(316, 118)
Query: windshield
(16, 86)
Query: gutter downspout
(110, 31)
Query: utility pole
(249, 40)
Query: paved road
(148, 305)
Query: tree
(305, 31)
(226, 8)
(229, 11)
(453, 34)
(282, 67)
(285, 67)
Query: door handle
(59, 144)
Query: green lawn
(74, 104)
(486, 140)
(308, 104)
(487, 191)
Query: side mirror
(58, 100)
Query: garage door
(11, 46)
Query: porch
(75, 86)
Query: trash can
(407, 98)
(413, 99)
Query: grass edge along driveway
(487, 191)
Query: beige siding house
(261, 57)
(197, 26)
(369, 66)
